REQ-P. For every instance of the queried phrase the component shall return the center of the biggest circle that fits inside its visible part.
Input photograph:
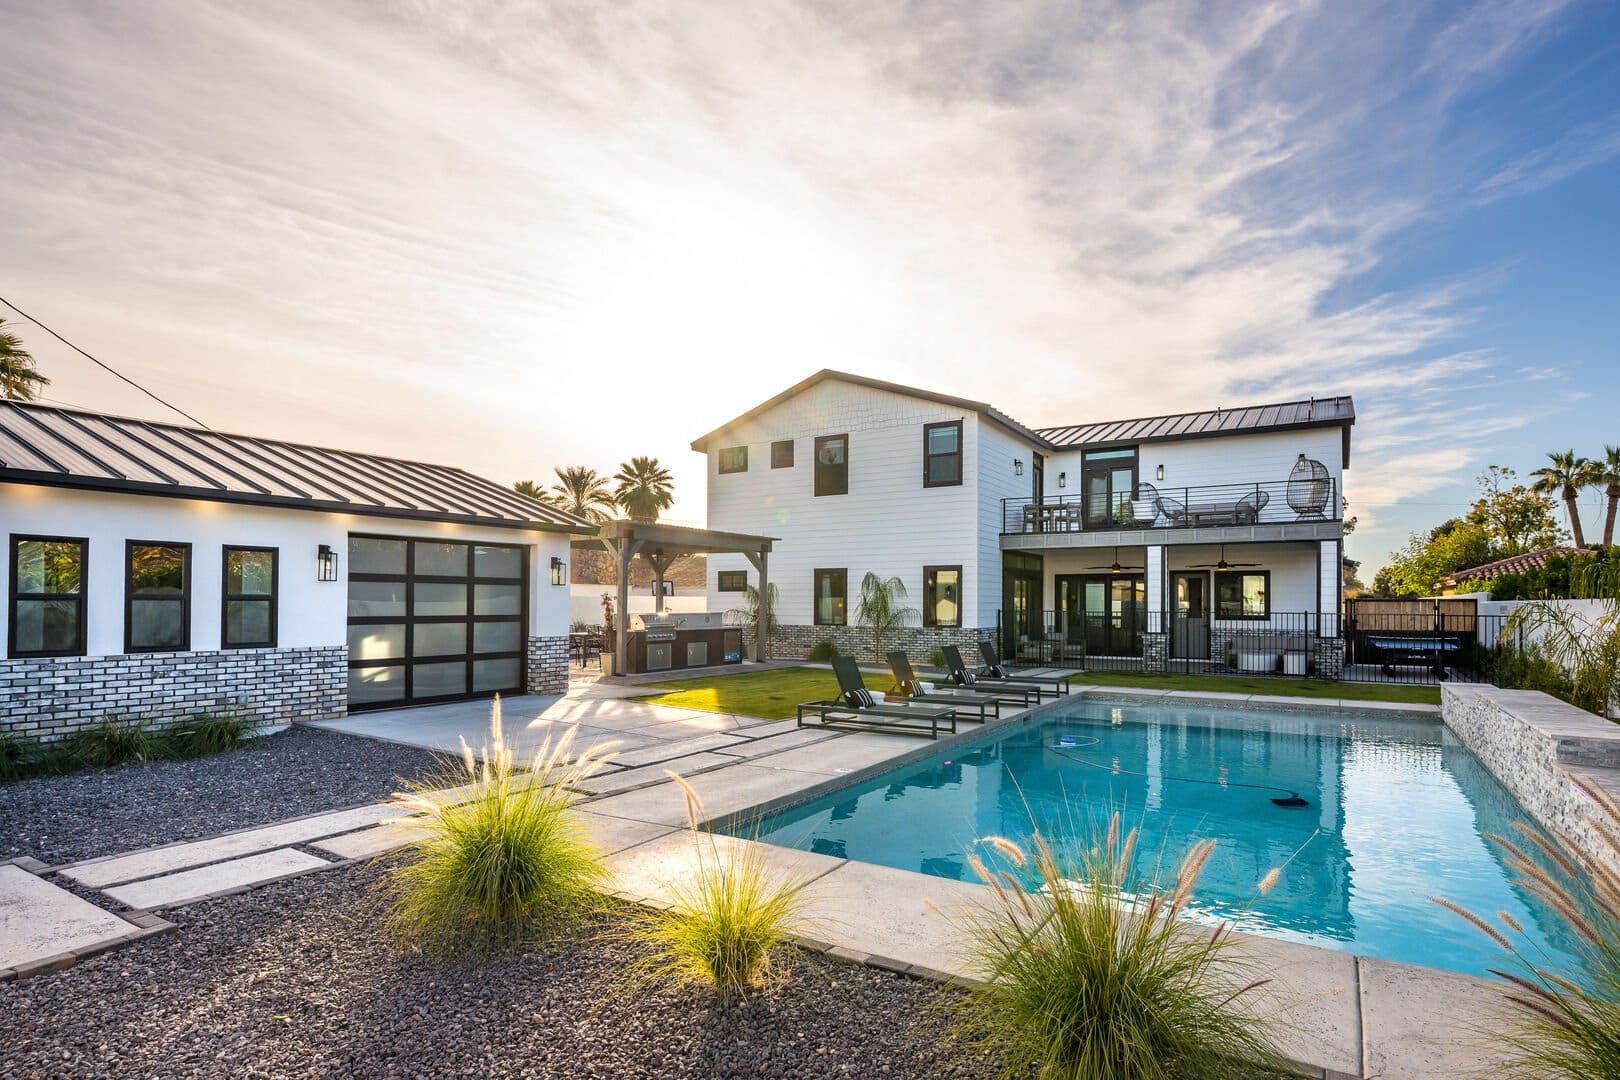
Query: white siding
(309, 612)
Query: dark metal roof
(68, 448)
(1312, 412)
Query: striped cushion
(860, 699)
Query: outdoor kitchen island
(673, 642)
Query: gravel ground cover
(294, 980)
(290, 774)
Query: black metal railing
(1152, 506)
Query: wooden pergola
(661, 545)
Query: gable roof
(69, 448)
(1514, 564)
(1337, 411)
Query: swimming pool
(1396, 810)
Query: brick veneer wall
(548, 665)
(48, 698)
(794, 642)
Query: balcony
(1308, 509)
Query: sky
(512, 236)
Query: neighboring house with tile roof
(1523, 563)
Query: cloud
(1582, 147)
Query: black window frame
(184, 598)
(1220, 613)
(782, 454)
(79, 648)
(738, 577)
(930, 583)
(226, 596)
(840, 473)
(738, 463)
(959, 454)
(815, 595)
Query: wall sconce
(559, 571)
(1063, 479)
(325, 563)
(1018, 466)
(1159, 475)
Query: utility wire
(103, 366)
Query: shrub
(1552, 1024)
(207, 733)
(936, 657)
(822, 651)
(113, 742)
(1093, 975)
(728, 923)
(501, 860)
(13, 756)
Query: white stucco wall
(310, 613)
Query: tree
(19, 381)
(1565, 477)
(531, 489)
(1608, 474)
(1417, 568)
(1515, 518)
(880, 608)
(581, 492)
(644, 488)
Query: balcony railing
(1153, 506)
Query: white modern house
(1196, 541)
(157, 571)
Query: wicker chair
(1310, 486)
(1247, 511)
(1173, 511)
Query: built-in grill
(662, 641)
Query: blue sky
(511, 236)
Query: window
(249, 597)
(734, 459)
(832, 465)
(942, 596)
(942, 454)
(732, 581)
(832, 587)
(782, 454)
(157, 597)
(47, 596)
(1245, 595)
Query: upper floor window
(782, 454)
(47, 596)
(731, 581)
(1243, 594)
(249, 619)
(942, 454)
(157, 597)
(734, 459)
(942, 596)
(831, 597)
(832, 465)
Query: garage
(434, 620)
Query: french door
(1105, 611)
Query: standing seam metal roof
(1311, 412)
(65, 447)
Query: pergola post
(623, 550)
(764, 612)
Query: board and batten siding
(888, 523)
(1265, 457)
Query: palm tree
(1565, 477)
(644, 487)
(531, 489)
(18, 379)
(880, 608)
(1609, 476)
(581, 492)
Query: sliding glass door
(1105, 612)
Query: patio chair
(961, 676)
(1247, 510)
(1145, 507)
(1174, 511)
(905, 677)
(857, 709)
(995, 668)
(1310, 486)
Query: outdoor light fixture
(1018, 466)
(1160, 474)
(559, 571)
(1063, 479)
(325, 563)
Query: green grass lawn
(774, 694)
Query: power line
(104, 367)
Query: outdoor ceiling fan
(1223, 564)
(1114, 567)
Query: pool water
(1397, 811)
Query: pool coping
(1380, 1017)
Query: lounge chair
(962, 676)
(905, 677)
(993, 667)
(857, 709)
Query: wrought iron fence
(1154, 507)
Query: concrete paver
(1311, 999)
(191, 885)
(369, 843)
(1419, 1023)
(658, 868)
(897, 914)
(609, 783)
(723, 792)
(39, 920)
